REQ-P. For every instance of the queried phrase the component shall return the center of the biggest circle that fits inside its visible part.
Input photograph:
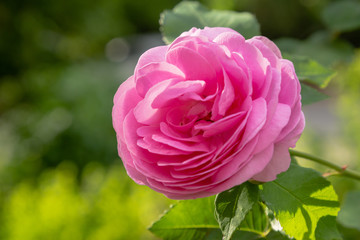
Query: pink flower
(208, 112)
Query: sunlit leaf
(232, 205)
(300, 198)
(188, 14)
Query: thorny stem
(343, 171)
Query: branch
(343, 171)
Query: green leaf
(195, 220)
(311, 95)
(326, 229)
(342, 16)
(274, 235)
(231, 207)
(320, 47)
(189, 219)
(188, 14)
(349, 215)
(300, 198)
(256, 220)
(311, 71)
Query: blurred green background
(61, 63)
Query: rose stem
(342, 170)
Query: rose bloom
(208, 112)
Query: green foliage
(231, 207)
(311, 71)
(350, 210)
(327, 229)
(256, 220)
(348, 105)
(310, 95)
(342, 16)
(321, 46)
(190, 219)
(195, 220)
(302, 200)
(55, 32)
(188, 14)
(70, 106)
(102, 207)
(274, 235)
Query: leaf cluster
(299, 204)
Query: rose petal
(210, 33)
(123, 104)
(270, 44)
(184, 146)
(156, 147)
(154, 73)
(253, 167)
(255, 62)
(129, 165)
(156, 54)
(194, 66)
(279, 163)
(271, 132)
(144, 111)
(224, 100)
(177, 90)
(232, 40)
(290, 86)
(220, 126)
(256, 120)
(268, 49)
(295, 125)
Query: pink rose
(208, 112)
